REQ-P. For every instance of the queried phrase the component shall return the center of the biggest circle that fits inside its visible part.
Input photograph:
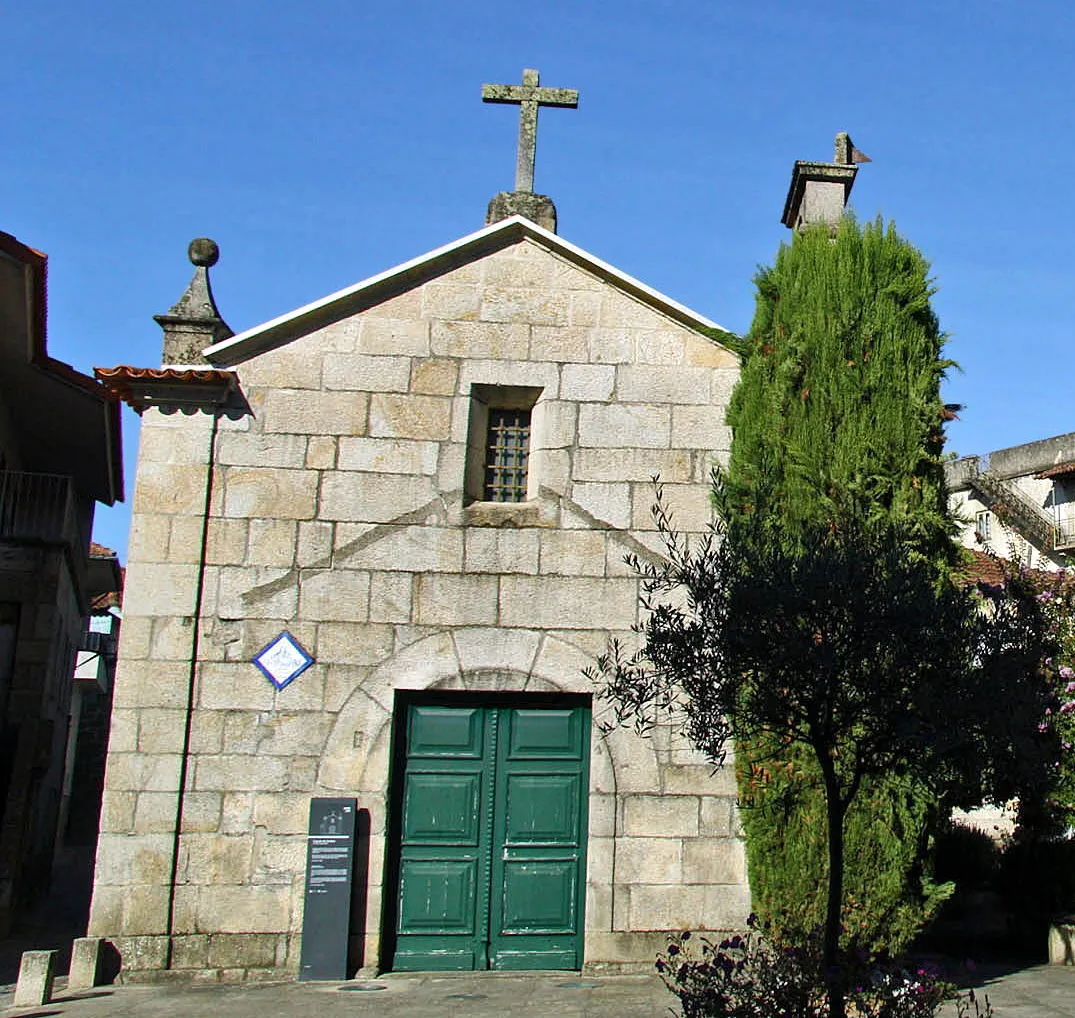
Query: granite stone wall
(339, 509)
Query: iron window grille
(507, 452)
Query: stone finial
(819, 191)
(193, 322)
(529, 97)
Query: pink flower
(1066, 672)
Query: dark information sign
(330, 853)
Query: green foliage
(838, 416)
(889, 893)
(838, 411)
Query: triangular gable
(393, 282)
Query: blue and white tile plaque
(283, 660)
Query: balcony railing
(37, 507)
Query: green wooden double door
(491, 836)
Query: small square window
(498, 443)
(507, 453)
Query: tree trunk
(835, 809)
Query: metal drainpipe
(191, 683)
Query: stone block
(169, 489)
(480, 340)
(225, 542)
(335, 595)
(155, 812)
(410, 416)
(270, 493)
(243, 950)
(255, 592)
(388, 455)
(239, 772)
(37, 970)
(715, 784)
(659, 346)
(494, 649)
(282, 812)
(602, 815)
(707, 353)
(509, 373)
(618, 426)
(314, 543)
(664, 907)
(698, 427)
(117, 811)
(405, 337)
(724, 906)
(413, 549)
(491, 550)
(321, 452)
(237, 685)
(376, 498)
(357, 372)
(148, 540)
(215, 859)
(451, 301)
(284, 733)
(128, 861)
(201, 812)
(680, 384)
(550, 602)
(525, 305)
(272, 542)
(435, 376)
(588, 382)
(620, 310)
(86, 957)
(142, 953)
(664, 816)
(573, 552)
(605, 505)
(710, 860)
(689, 503)
(454, 599)
(251, 449)
(390, 597)
(292, 366)
(160, 730)
(161, 589)
(649, 860)
(347, 643)
(190, 951)
(136, 772)
(249, 909)
(554, 424)
(302, 412)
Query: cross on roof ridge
(528, 96)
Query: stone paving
(1036, 992)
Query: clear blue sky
(323, 142)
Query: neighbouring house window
(498, 442)
(982, 526)
(507, 452)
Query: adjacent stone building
(430, 481)
(59, 456)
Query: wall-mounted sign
(282, 660)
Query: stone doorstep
(1062, 941)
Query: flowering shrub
(747, 976)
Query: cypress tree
(837, 417)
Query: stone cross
(528, 97)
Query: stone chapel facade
(355, 473)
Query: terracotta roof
(142, 387)
(102, 602)
(1060, 470)
(991, 569)
(100, 551)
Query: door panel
(492, 838)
